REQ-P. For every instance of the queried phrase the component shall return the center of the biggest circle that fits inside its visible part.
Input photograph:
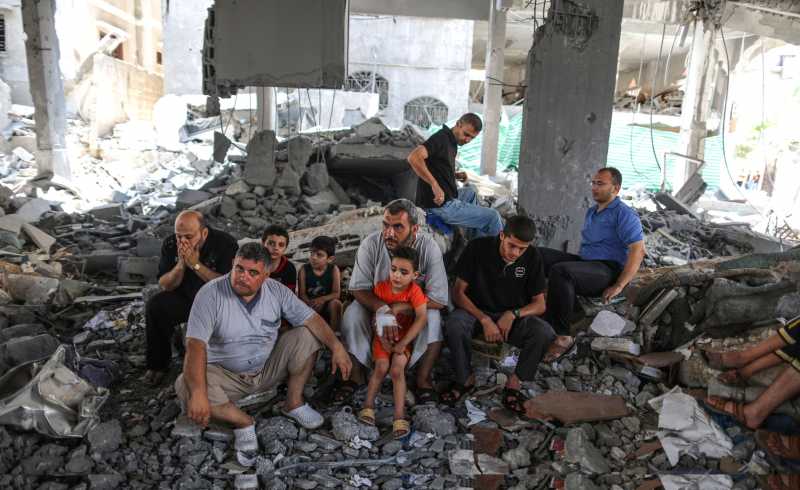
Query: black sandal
(426, 395)
(457, 393)
(514, 400)
(344, 392)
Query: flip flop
(400, 428)
(514, 400)
(560, 354)
(779, 482)
(718, 406)
(457, 393)
(766, 440)
(367, 416)
(426, 395)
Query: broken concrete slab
(237, 187)
(288, 180)
(321, 202)
(40, 238)
(189, 198)
(316, 179)
(573, 407)
(260, 166)
(11, 223)
(299, 150)
(32, 211)
(108, 212)
(137, 270)
(32, 290)
(22, 350)
(21, 330)
(580, 450)
(370, 128)
(221, 146)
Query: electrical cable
(653, 98)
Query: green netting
(629, 149)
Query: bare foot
(559, 347)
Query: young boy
(388, 354)
(275, 239)
(320, 281)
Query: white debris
(359, 481)
(358, 443)
(690, 482)
(475, 414)
(687, 428)
(609, 324)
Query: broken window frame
(425, 111)
(369, 82)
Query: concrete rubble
(78, 265)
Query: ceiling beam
(442, 9)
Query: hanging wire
(653, 97)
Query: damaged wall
(13, 65)
(565, 136)
(183, 24)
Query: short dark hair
(409, 254)
(253, 251)
(520, 227)
(324, 244)
(616, 175)
(403, 206)
(275, 230)
(473, 120)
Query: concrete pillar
(492, 87)
(568, 105)
(47, 90)
(265, 108)
(697, 99)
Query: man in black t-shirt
(434, 162)
(499, 287)
(194, 255)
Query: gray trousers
(530, 334)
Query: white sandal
(305, 416)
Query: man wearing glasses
(612, 248)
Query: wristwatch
(196, 266)
(516, 313)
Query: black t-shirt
(217, 253)
(494, 285)
(442, 148)
(285, 273)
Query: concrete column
(265, 108)
(47, 90)
(568, 105)
(492, 87)
(697, 99)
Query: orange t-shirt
(412, 294)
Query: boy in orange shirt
(386, 353)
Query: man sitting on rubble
(499, 292)
(233, 349)
(612, 248)
(434, 162)
(372, 265)
(192, 256)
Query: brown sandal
(779, 482)
(777, 444)
(367, 416)
(400, 428)
(729, 408)
(514, 400)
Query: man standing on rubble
(233, 349)
(612, 249)
(373, 265)
(194, 255)
(434, 162)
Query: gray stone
(606, 436)
(316, 178)
(391, 448)
(300, 149)
(321, 202)
(31, 211)
(105, 481)
(79, 464)
(276, 428)
(370, 128)
(305, 484)
(189, 198)
(289, 181)
(25, 349)
(325, 443)
(633, 424)
(346, 427)
(236, 188)
(105, 437)
(290, 219)
(393, 484)
(21, 330)
(260, 166)
(228, 207)
(518, 457)
(185, 427)
(221, 146)
(578, 481)
(580, 450)
(248, 204)
(788, 306)
(255, 222)
(430, 419)
(47, 459)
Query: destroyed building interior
(120, 118)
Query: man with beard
(372, 265)
(612, 249)
(233, 349)
(194, 255)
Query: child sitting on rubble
(394, 353)
(276, 239)
(320, 281)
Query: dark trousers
(162, 313)
(568, 275)
(531, 334)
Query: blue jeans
(467, 213)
